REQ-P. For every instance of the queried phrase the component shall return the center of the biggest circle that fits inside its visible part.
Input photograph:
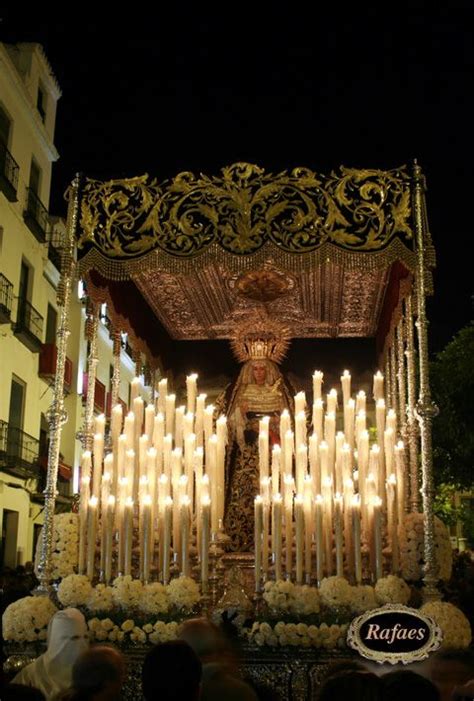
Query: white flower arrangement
(100, 599)
(65, 552)
(363, 598)
(74, 590)
(27, 619)
(102, 630)
(412, 548)
(298, 635)
(305, 600)
(154, 599)
(183, 593)
(282, 596)
(392, 590)
(454, 624)
(335, 592)
(127, 592)
(278, 595)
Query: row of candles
(164, 473)
(327, 496)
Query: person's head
(403, 682)
(170, 671)
(259, 372)
(67, 636)
(451, 668)
(204, 637)
(21, 692)
(98, 674)
(354, 685)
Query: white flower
(183, 592)
(138, 635)
(154, 599)
(304, 600)
(127, 592)
(454, 624)
(335, 591)
(27, 619)
(392, 590)
(74, 590)
(100, 599)
(128, 625)
(363, 598)
(412, 548)
(64, 556)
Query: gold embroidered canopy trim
(360, 219)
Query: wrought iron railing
(28, 318)
(6, 296)
(36, 215)
(17, 449)
(9, 168)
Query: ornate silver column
(393, 371)
(426, 410)
(412, 424)
(402, 394)
(92, 326)
(115, 384)
(57, 415)
(387, 374)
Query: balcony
(54, 255)
(6, 299)
(47, 365)
(8, 174)
(19, 452)
(36, 215)
(29, 326)
(99, 394)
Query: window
(41, 102)
(35, 177)
(25, 282)
(5, 126)
(51, 324)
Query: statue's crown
(261, 339)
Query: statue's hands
(244, 407)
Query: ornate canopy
(324, 254)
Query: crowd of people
(201, 666)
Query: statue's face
(259, 373)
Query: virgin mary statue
(260, 390)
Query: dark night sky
(161, 94)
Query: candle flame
(392, 479)
(146, 500)
(355, 501)
(93, 502)
(111, 500)
(206, 500)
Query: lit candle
(199, 426)
(197, 468)
(338, 535)
(98, 457)
(191, 391)
(338, 467)
(138, 410)
(145, 554)
(330, 437)
(263, 448)
(109, 532)
(357, 550)
(128, 536)
(167, 451)
(378, 386)
(91, 536)
(314, 470)
(389, 447)
(348, 496)
(134, 389)
(318, 418)
(189, 447)
(84, 501)
(185, 535)
(116, 422)
(400, 468)
(391, 420)
(317, 384)
(99, 423)
(208, 422)
(349, 414)
(162, 392)
(300, 429)
(324, 460)
(289, 450)
(221, 433)
(129, 430)
(392, 525)
(188, 424)
(327, 505)
(308, 523)
(149, 421)
(276, 457)
(301, 467)
(346, 386)
(276, 534)
(318, 519)
(211, 460)
(204, 542)
(360, 425)
(168, 510)
(285, 424)
(360, 402)
(374, 468)
(104, 497)
(289, 485)
(130, 472)
(300, 403)
(170, 402)
(299, 534)
(121, 449)
(178, 426)
(258, 508)
(331, 402)
(377, 504)
(142, 455)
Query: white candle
(299, 535)
(377, 504)
(130, 472)
(208, 422)
(99, 423)
(91, 536)
(349, 414)
(348, 495)
(167, 538)
(378, 386)
(313, 455)
(391, 420)
(276, 457)
(317, 384)
(331, 402)
(221, 433)
(356, 538)
(327, 523)
(338, 535)
(346, 386)
(84, 502)
(178, 426)
(276, 534)
(98, 457)
(360, 425)
(300, 403)
(145, 554)
(162, 392)
(142, 455)
(109, 532)
(338, 467)
(170, 402)
(211, 470)
(301, 467)
(185, 535)
(318, 518)
(318, 412)
(289, 486)
(374, 468)
(134, 389)
(189, 447)
(204, 543)
(263, 448)
(199, 426)
(167, 451)
(129, 430)
(116, 422)
(285, 424)
(330, 437)
(188, 424)
(149, 421)
(308, 523)
(128, 535)
(392, 518)
(121, 449)
(400, 468)
(300, 429)
(324, 460)
(191, 391)
(360, 402)
(258, 509)
(289, 450)
(138, 410)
